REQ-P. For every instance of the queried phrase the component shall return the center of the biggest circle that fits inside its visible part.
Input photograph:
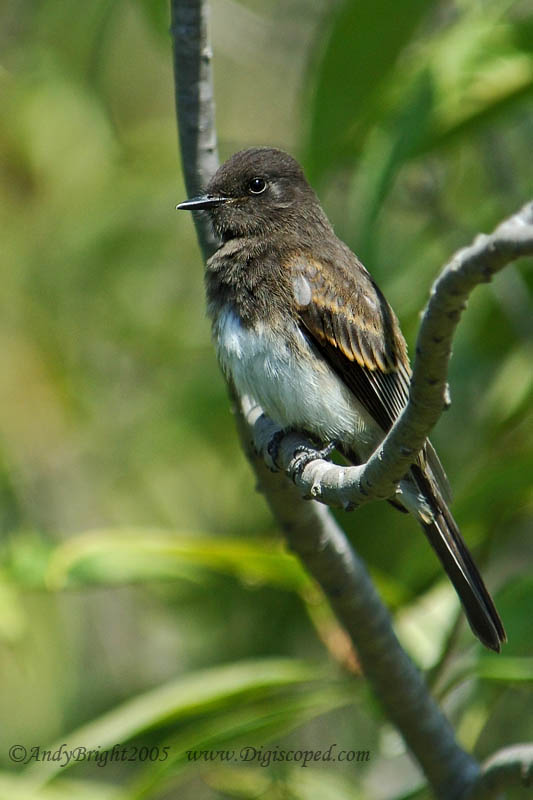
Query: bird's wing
(355, 329)
(357, 332)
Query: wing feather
(360, 337)
(358, 334)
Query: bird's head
(256, 192)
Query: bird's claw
(303, 456)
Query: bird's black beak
(201, 203)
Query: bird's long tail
(445, 538)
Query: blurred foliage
(145, 597)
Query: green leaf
(480, 68)
(198, 693)
(424, 625)
(512, 389)
(13, 620)
(17, 788)
(389, 148)
(515, 604)
(115, 556)
(365, 39)
(222, 739)
(309, 784)
(508, 670)
(157, 16)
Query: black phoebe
(301, 327)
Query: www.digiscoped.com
(266, 756)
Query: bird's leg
(273, 447)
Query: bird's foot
(304, 455)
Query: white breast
(293, 386)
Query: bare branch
(349, 487)
(195, 104)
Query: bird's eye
(257, 185)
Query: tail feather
(445, 538)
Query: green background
(145, 595)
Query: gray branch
(310, 529)
(349, 487)
(195, 104)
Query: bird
(301, 327)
